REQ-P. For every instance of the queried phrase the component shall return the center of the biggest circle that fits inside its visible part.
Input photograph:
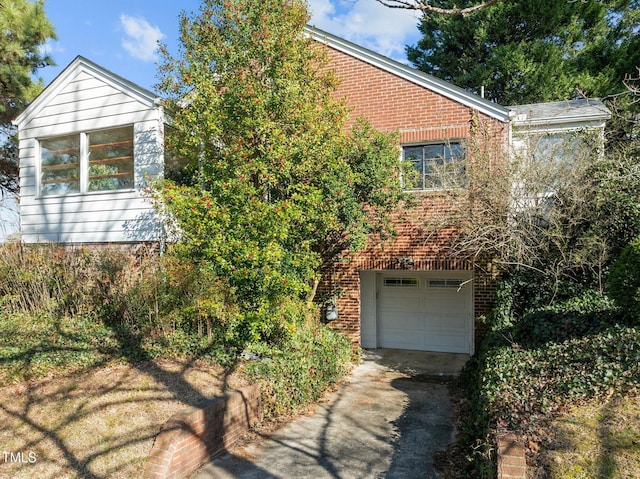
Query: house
(88, 145)
(410, 292)
(91, 140)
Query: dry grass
(598, 440)
(98, 424)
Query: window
(87, 162)
(435, 166)
(402, 282)
(445, 283)
(60, 159)
(111, 159)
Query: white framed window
(60, 165)
(402, 282)
(445, 283)
(435, 166)
(100, 160)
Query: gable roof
(417, 77)
(78, 65)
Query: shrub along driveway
(388, 420)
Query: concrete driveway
(387, 421)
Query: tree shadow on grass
(98, 422)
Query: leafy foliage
(624, 281)
(24, 29)
(277, 187)
(298, 371)
(533, 363)
(525, 51)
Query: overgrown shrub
(300, 369)
(46, 278)
(624, 281)
(530, 365)
(64, 310)
(138, 290)
(573, 318)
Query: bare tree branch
(427, 7)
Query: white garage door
(426, 312)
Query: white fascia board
(417, 77)
(557, 127)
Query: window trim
(401, 282)
(463, 158)
(84, 163)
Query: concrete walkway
(386, 422)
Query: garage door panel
(446, 344)
(448, 322)
(402, 304)
(403, 321)
(423, 316)
(401, 340)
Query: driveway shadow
(383, 423)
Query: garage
(425, 311)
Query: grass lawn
(597, 440)
(73, 405)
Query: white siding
(368, 313)
(86, 99)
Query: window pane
(60, 165)
(453, 151)
(111, 159)
(402, 282)
(443, 165)
(434, 151)
(413, 177)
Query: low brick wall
(512, 462)
(192, 437)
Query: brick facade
(393, 103)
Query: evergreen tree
(527, 51)
(24, 28)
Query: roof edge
(140, 93)
(417, 77)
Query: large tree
(527, 51)
(428, 6)
(24, 29)
(275, 187)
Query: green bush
(67, 310)
(564, 320)
(300, 369)
(624, 281)
(528, 366)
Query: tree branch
(427, 7)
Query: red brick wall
(392, 103)
(512, 463)
(192, 437)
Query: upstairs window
(87, 162)
(435, 166)
(60, 165)
(111, 159)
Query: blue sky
(121, 35)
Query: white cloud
(50, 47)
(141, 38)
(367, 23)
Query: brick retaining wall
(195, 435)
